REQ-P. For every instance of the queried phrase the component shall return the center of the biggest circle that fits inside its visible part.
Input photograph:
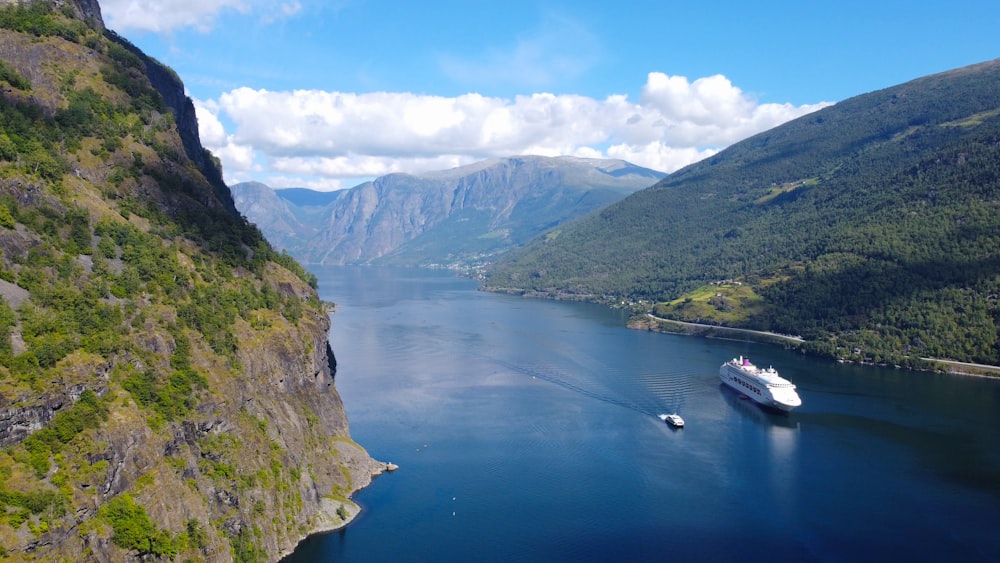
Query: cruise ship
(762, 385)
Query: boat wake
(647, 393)
(671, 389)
(554, 376)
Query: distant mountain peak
(463, 215)
(609, 166)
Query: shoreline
(327, 519)
(991, 372)
(655, 324)
(709, 331)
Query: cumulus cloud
(329, 140)
(213, 135)
(313, 137)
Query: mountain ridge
(837, 206)
(460, 216)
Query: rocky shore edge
(336, 514)
(652, 323)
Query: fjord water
(526, 430)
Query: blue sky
(328, 94)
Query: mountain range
(870, 228)
(456, 217)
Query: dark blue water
(526, 430)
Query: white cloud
(235, 157)
(337, 139)
(659, 156)
(210, 129)
(164, 16)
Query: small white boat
(674, 420)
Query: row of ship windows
(747, 385)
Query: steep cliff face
(88, 11)
(462, 216)
(170, 87)
(166, 383)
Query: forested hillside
(870, 228)
(165, 377)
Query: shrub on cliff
(134, 530)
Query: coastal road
(796, 339)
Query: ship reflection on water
(755, 411)
(782, 431)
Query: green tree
(133, 529)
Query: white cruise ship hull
(763, 386)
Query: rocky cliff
(88, 11)
(166, 385)
(462, 216)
